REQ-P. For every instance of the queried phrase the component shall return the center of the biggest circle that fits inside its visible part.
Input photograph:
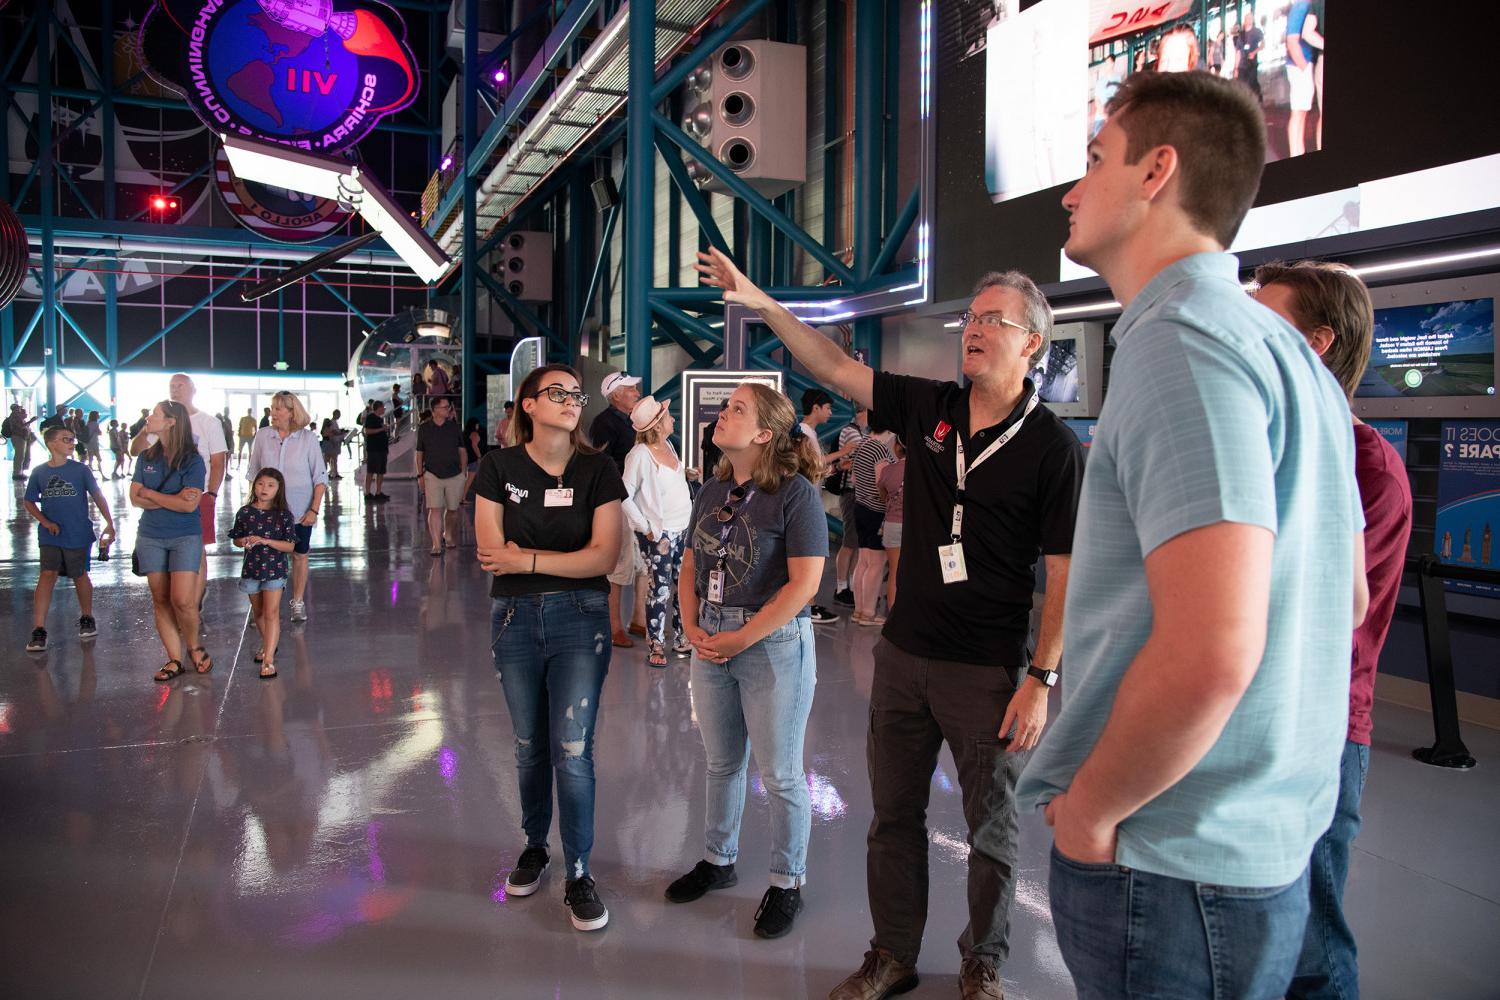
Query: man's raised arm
(823, 358)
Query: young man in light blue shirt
(1217, 576)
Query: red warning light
(172, 204)
(158, 203)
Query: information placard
(1468, 512)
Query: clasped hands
(718, 648)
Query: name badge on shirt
(716, 586)
(558, 498)
(951, 559)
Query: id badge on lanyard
(951, 556)
(717, 575)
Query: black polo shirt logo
(934, 441)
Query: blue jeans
(1127, 933)
(760, 699)
(552, 652)
(664, 558)
(1327, 968)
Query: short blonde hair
(300, 418)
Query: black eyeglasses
(736, 496)
(559, 395)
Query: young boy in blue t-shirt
(62, 488)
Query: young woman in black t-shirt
(547, 520)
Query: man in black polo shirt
(952, 664)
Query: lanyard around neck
(726, 528)
(964, 469)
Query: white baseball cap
(616, 380)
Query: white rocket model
(310, 17)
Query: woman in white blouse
(658, 509)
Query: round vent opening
(736, 62)
(515, 241)
(738, 154)
(515, 265)
(516, 288)
(738, 108)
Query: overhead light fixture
(346, 183)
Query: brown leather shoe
(879, 977)
(621, 640)
(979, 980)
(639, 630)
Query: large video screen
(1437, 349)
(1051, 70)
(1388, 155)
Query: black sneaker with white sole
(778, 908)
(585, 908)
(38, 641)
(526, 877)
(704, 878)
(822, 616)
(87, 628)
(844, 597)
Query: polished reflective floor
(345, 830)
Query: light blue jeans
(758, 700)
(1125, 933)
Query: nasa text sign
(297, 72)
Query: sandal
(260, 656)
(169, 670)
(265, 666)
(683, 650)
(204, 665)
(657, 656)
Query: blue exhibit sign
(1394, 432)
(1083, 427)
(291, 71)
(1468, 512)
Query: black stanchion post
(1448, 750)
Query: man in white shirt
(208, 435)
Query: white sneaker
(299, 611)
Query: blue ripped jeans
(552, 652)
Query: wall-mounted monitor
(1433, 353)
(1018, 86)
(1070, 376)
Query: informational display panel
(704, 394)
(1468, 512)
(1394, 432)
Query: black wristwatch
(1047, 677)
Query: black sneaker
(705, 877)
(38, 641)
(844, 597)
(585, 908)
(526, 877)
(86, 627)
(778, 908)
(822, 616)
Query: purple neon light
(447, 162)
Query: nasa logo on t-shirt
(516, 493)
